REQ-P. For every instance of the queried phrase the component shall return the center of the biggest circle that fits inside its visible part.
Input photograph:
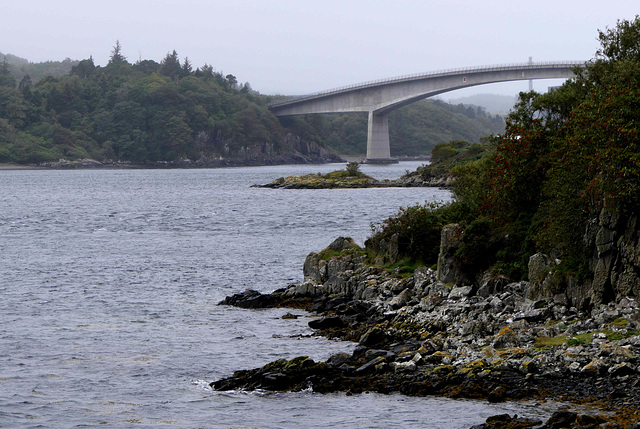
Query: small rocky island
(352, 177)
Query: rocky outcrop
(422, 336)
(613, 241)
(319, 182)
(450, 241)
(615, 256)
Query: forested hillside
(413, 130)
(37, 71)
(150, 112)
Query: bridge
(380, 97)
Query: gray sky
(303, 46)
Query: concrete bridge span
(378, 98)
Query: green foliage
(417, 229)
(20, 67)
(569, 153)
(335, 179)
(353, 169)
(6, 78)
(405, 267)
(143, 112)
(445, 153)
(449, 158)
(564, 157)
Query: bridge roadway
(378, 98)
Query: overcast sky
(299, 46)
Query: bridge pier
(378, 148)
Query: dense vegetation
(565, 156)
(142, 112)
(156, 112)
(414, 129)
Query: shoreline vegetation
(525, 286)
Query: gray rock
(402, 299)
(621, 369)
(459, 292)
(450, 241)
(539, 266)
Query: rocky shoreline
(418, 335)
(207, 163)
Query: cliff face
(293, 149)
(613, 242)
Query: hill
(493, 103)
(413, 130)
(37, 71)
(167, 112)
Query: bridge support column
(378, 149)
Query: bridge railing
(445, 72)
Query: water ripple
(109, 283)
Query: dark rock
(327, 323)
(249, 299)
(373, 337)
(589, 422)
(369, 366)
(450, 240)
(498, 394)
(342, 243)
(338, 359)
(561, 419)
(274, 381)
(505, 421)
(621, 369)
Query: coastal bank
(420, 334)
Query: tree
(186, 67)
(621, 43)
(170, 66)
(353, 168)
(570, 153)
(116, 54)
(25, 83)
(6, 78)
(85, 68)
(232, 81)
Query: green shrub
(417, 229)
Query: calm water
(109, 281)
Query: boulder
(326, 322)
(250, 299)
(459, 292)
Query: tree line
(150, 111)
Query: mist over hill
(493, 103)
(37, 71)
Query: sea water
(109, 284)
